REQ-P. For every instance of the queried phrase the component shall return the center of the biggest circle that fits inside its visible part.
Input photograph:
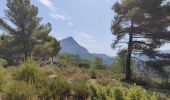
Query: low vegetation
(31, 82)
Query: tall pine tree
(27, 35)
(145, 23)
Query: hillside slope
(70, 46)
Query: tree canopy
(145, 23)
(24, 34)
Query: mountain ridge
(70, 46)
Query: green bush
(153, 96)
(136, 93)
(119, 93)
(93, 92)
(18, 90)
(161, 97)
(57, 88)
(1, 77)
(157, 96)
(29, 71)
(60, 87)
(101, 93)
(3, 62)
(81, 89)
(93, 74)
(43, 88)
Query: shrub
(101, 94)
(29, 71)
(43, 89)
(60, 87)
(103, 81)
(80, 76)
(1, 77)
(71, 71)
(93, 92)
(93, 74)
(153, 96)
(81, 89)
(119, 93)
(157, 96)
(18, 90)
(161, 97)
(74, 73)
(106, 81)
(136, 93)
(10, 74)
(3, 62)
(57, 88)
(50, 70)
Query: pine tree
(27, 34)
(142, 21)
(97, 63)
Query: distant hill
(70, 46)
(166, 51)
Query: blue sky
(87, 21)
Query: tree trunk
(52, 57)
(129, 53)
(25, 52)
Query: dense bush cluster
(81, 89)
(73, 60)
(30, 82)
(19, 90)
(122, 93)
(3, 62)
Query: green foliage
(136, 93)
(81, 89)
(30, 82)
(43, 89)
(30, 86)
(19, 90)
(29, 71)
(73, 60)
(3, 62)
(93, 92)
(44, 50)
(93, 74)
(101, 93)
(119, 66)
(130, 19)
(60, 87)
(97, 63)
(1, 77)
(119, 93)
(160, 97)
(31, 37)
(56, 88)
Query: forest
(31, 67)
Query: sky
(87, 21)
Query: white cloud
(107, 1)
(86, 40)
(53, 10)
(57, 16)
(70, 24)
(84, 35)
